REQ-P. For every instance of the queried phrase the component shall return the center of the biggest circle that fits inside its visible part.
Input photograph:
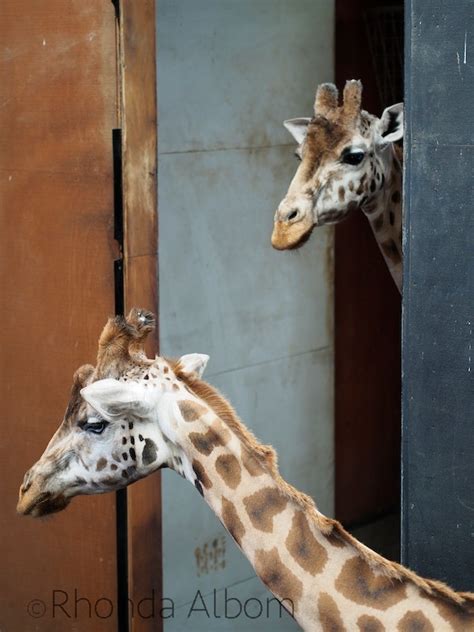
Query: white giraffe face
(340, 170)
(112, 435)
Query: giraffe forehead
(322, 140)
(76, 408)
(322, 152)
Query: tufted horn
(82, 375)
(121, 339)
(352, 101)
(326, 99)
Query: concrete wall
(229, 73)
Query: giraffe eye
(97, 427)
(352, 157)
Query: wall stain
(210, 557)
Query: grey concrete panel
(223, 289)
(230, 71)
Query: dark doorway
(369, 45)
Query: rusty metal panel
(58, 108)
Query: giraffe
(348, 160)
(129, 416)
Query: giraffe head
(344, 153)
(111, 433)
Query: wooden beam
(137, 53)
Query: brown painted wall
(58, 95)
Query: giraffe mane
(267, 457)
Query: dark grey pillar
(438, 301)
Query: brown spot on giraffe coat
(415, 621)
(329, 615)
(215, 436)
(149, 452)
(378, 222)
(263, 506)
(278, 578)
(304, 547)
(390, 250)
(367, 623)
(396, 197)
(201, 474)
(358, 582)
(205, 442)
(229, 469)
(460, 617)
(101, 463)
(232, 521)
(191, 411)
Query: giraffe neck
(324, 578)
(384, 213)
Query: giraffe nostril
(292, 215)
(26, 483)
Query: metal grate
(385, 31)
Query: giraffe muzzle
(291, 235)
(35, 503)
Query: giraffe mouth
(301, 240)
(291, 236)
(43, 504)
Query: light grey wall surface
(229, 72)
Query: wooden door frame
(140, 575)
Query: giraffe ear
(193, 364)
(390, 125)
(113, 399)
(298, 128)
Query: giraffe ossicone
(131, 415)
(348, 161)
